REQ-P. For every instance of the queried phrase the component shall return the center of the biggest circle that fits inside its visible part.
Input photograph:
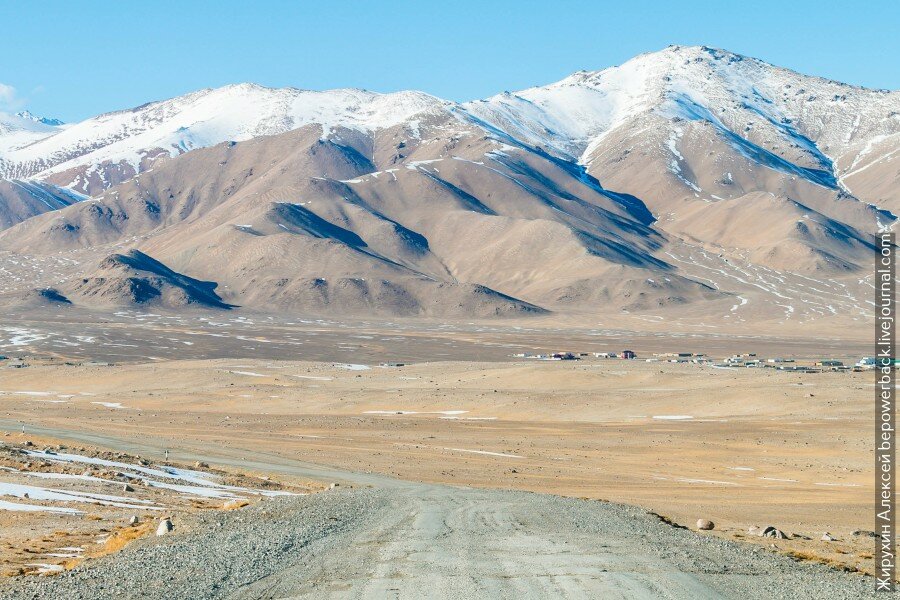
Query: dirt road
(400, 539)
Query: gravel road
(406, 540)
(422, 541)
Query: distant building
(829, 363)
(678, 357)
(552, 356)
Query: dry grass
(811, 556)
(71, 563)
(124, 536)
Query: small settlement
(748, 360)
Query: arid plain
(742, 447)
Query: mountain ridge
(588, 193)
(66, 148)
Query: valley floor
(741, 447)
(131, 335)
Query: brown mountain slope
(21, 200)
(272, 218)
(779, 233)
(134, 278)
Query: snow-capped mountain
(807, 126)
(25, 114)
(20, 130)
(606, 189)
(573, 115)
(820, 130)
(200, 119)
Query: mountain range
(686, 182)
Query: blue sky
(72, 60)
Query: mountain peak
(29, 116)
(745, 96)
(670, 60)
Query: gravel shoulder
(418, 540)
